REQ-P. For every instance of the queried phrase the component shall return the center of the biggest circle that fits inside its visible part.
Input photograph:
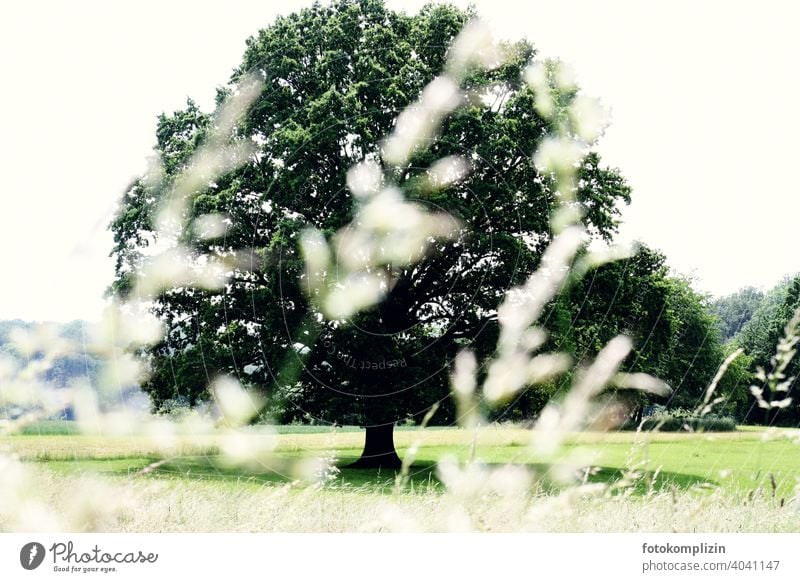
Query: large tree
(336, 77)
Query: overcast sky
(704, 98)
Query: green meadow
(741, 461)
(618, 481)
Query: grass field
(186, 485)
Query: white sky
(704, 99)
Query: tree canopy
(675, 336)
(736, 309)
(760, 336)
(335, 78)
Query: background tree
(736, 309)
(335, 78)
(675, 336)
(695, 348)
(759, 338)
(62, 371)
(67, 368)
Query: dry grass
(157, 505)
(678, 488)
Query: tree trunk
(379, 452)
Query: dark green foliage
(759, 338)
(675, 337)
(736, 309)
(336, 77)
(735, 386)
(694, 347)
(762, 332)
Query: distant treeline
(65, 370)
(755, 322)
